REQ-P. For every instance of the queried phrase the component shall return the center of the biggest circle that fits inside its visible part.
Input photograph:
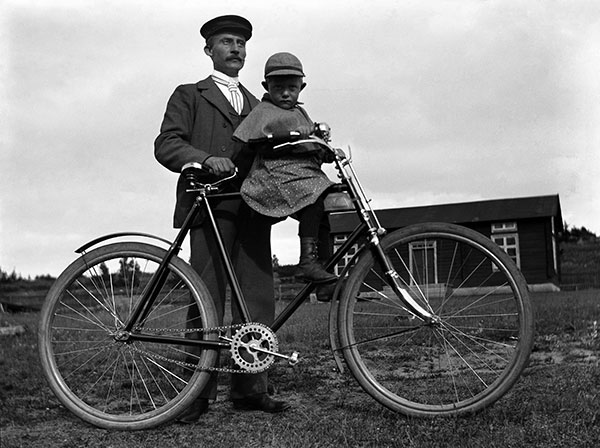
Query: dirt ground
(318, 393)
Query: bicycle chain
(190, 330)
(187, 364)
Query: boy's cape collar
(268, 119)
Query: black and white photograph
(299, 224)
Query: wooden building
(526, 228)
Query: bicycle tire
(98, 375)
(464, 362)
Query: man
(198, 126)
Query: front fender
(334, 340)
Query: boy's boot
(309, 267)
(325, 292)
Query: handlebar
(337, 152)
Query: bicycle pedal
(293, 359)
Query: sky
(440, 101)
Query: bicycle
(431, 320)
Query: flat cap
(282, 64)
(223, 24)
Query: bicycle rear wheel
(466, 360)
(93, 368)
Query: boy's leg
(324, 237)
(310, 219)
(325, 292)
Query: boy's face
(284, 90)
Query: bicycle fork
(375, 230)
(393, 280)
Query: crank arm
(292, 359)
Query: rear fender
(111, 236)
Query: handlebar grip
(323, 131)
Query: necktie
(236, 99)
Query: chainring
(245, 342)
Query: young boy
(289, 183)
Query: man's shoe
(193, 413)
(260, 402)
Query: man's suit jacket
(199, 122)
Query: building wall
(536, 262)
(535, 248)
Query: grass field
(556, 403)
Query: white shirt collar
(224, 77)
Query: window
(505, 235)
(504, 227)
(423, 262)
(338, 240)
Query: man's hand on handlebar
(219, 166)
(202, 177)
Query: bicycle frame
(112, 329)
(369, 231)
(149, 295)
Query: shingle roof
(459, 213)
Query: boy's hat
(281, 64)
(222, 24)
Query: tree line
(14, 277)
(573, 234)
(570, 234)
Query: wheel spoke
(475, 347)
(93, 366)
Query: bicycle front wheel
(95, 370)
(477, 347)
